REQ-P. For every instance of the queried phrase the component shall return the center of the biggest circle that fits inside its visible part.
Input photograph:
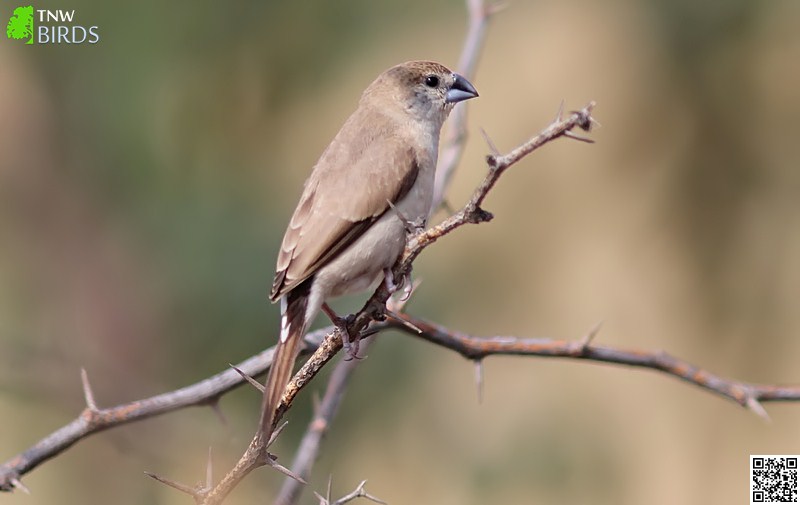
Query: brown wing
(366, 165)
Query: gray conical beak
(461, 90)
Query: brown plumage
(344, 233)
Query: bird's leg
(349, 342)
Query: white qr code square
(773, 479)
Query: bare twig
(472, 211)
(477, 348)
(358, 492)
(455, 136)
(93, 419)
(324, 412)
(254, 457)
(309, 447)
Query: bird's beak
(461, 90)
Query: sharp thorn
(586, 341)
(492, 147)
(374, 498)
(88, 394)
(754, 405)
(17, 484)
(404, 322)
(277, 466)
(171, 483)
(560, 112)
(249, 379)
(479, 379)
(218, 411)
(277, 432)
(578, 137)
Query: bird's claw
(408, 288)
(351, 348)
(349, 343)
(393, 287)
(388, 276)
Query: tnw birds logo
(43, 26)
(20, 25)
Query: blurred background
(145, 183)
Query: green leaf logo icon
(20, 26)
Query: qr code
(773, 479)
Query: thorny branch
(94, 419)
(474, 348)
(471, 347)
(358, 492)
(324, 412)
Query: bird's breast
(416, 205)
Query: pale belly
(361, 265)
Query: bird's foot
(349, 342)
(351, 345)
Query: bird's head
(425, 90)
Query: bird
(349, 228)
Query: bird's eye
(431, 81)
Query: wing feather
(366, 166)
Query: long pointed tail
(293, 315)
